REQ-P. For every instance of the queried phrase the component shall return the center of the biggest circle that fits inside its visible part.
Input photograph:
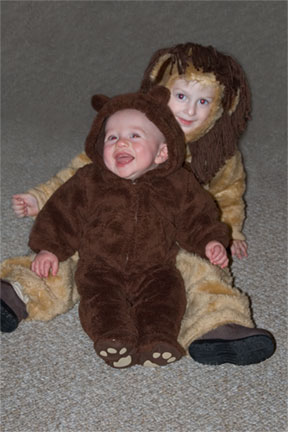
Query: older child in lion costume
(210, 99)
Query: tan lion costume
(217, 326)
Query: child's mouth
(185, 122)
(123, 159)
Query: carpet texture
(55, 55)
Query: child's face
(191, 103)
(133, 144)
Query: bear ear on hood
(160, 94)
(98, 101)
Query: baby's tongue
(123, 159)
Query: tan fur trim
(156, 68)
(47, 297)
(211, 299)
(235, 103)
(191, 74)
(227, 188)
(214, 288)
(80, 160)
(43, 191)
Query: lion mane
(210, 151)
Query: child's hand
(25, 205)
(216, 253)
(239, 248)
(44, 262)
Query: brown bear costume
(132, 297)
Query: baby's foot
(159, 354)
(115, 353)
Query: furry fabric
(48, 297)
(126, 234)
(211, 299)
(226, 186)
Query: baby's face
(191, 103)
(133, 144)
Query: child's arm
(228, 187)
(42, 192)
(216, 253)
(198, 220)
(58, 225)
(44, 262)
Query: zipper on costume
(136, 220)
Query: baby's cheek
(107, 157)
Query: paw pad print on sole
(122, 361)
(163, 355)
(114, 354)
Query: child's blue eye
(180, 96)
(203, 101)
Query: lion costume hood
(216, 141)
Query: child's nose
(191, 108)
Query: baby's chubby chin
(123, 165)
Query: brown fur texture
(226, 186)
(130, 290)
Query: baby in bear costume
(126, 214)
(217, 326)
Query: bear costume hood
(154, 105)
(215, 144)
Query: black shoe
(13, 309)
(234, 344)
(9, 320)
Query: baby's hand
(216, 253)
(44, 262)
(239, 248)
(25, 205)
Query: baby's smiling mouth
(123, 159)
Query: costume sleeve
(199, 220)
(58, 226)
(43, 191)
(228, 187)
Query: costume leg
(44, 298)
(217, 311)
(158, 306)
(105, 315)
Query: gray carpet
(55, 55)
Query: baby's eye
(135, 135)
(111, 138)
(180, 96)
